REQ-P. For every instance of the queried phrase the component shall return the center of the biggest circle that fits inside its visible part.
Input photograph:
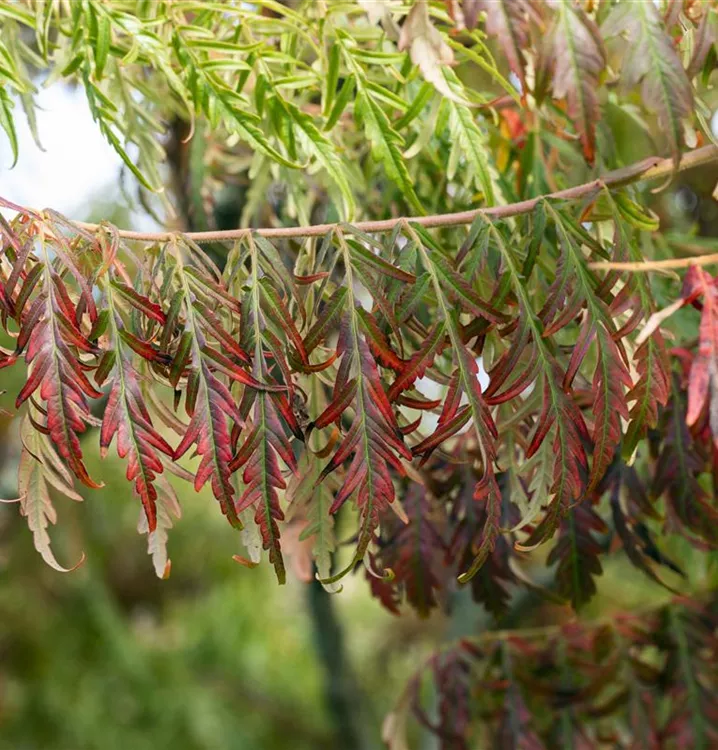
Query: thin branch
(648, 169)
(656, 265)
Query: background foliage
(475, 388)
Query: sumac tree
(440, 327)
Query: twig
(656, 265)
(648, 169)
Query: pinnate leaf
(127, 417)
(577, 58)
(414, 552)
(40, 469)
(50, 331)
(374, 439)
(649, 58)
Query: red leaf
(235, 372)
(212, 326)
(374, 438)
(209, 431)
(262, 475)
(148, 308)
(417, 364)
(379, 343)
(342, 400)
(277, 311)
(609, 406)
(465, 380)
(650, 391)
(486, 492)
(311, 278)
(56, 372)
(331, 312)
(570, 461)
(414, 402)
(143, 348)
(443, 432)
(688, 508)
(414, 552)
(126, 416)
(509, 366)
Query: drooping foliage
(454, 395)
(220, 358)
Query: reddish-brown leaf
(577, 58)
(262, 476)
(209, 431)
(417, 364)
(126, 416)
(508, 21)
(610, 380)
(55, 371)
(414, 552)
(374, 438)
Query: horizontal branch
(648, 169)
(656, 265)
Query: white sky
(78, 166)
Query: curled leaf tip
(244, 561)
(49, 558)
(338, 576)
(528, 547)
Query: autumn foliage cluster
(449, 395)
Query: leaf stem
(651, 168)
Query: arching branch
(651, 168)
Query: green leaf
(324, 151)
(426, 93)
(341, 102)
(471, 141)
(8, 123)
(102, 45)
(115, 142)
(331, 80)
(17, 13)
(386, 143)
(635, 215)
(314, 501)
(577, 555)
